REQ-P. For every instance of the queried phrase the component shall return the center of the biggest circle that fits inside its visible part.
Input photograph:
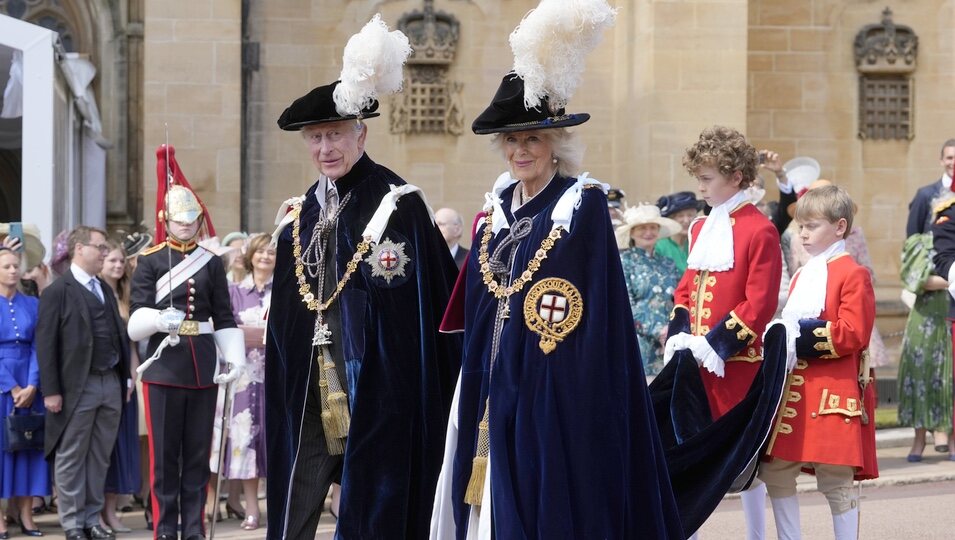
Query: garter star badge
(387, 260)
(552, 309)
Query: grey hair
(359, 126)
(567, 148)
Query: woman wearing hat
(681, 207)
(651, 278)
(547, 371)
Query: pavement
(892, 447)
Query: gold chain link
(304, 290)
(495, 288)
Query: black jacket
(191, 363)
(64, 349)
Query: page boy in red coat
(729, 291)
(822, 424)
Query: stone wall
(650, 87)
(803, 101)
(192, 84)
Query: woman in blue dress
(651, 278)
(23, 474)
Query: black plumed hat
(507, 113)
(318, 107)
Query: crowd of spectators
(28, 483)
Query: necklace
(310, 300)
(502, 291)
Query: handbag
(24, 431)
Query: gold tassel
(341, 418)
(475, 491)
(336, 447)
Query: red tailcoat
(732, 308)
(820, 420)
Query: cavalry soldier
(180, 302)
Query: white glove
(792, 332)
(143, 323)
(675, 343)
(231, 343)
(702, 352)
(706, 356)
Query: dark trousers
(315, 470)
(180, 424)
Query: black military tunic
(178, 389)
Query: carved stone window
(886, 102)
(430, 102)
(885, 58)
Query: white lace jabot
(713, 249)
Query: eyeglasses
(103, 248)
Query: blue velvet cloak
(706, 458)
(400, 370)
(574, 445)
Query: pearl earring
(554, 160)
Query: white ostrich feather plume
(551, 43)
(371, 66)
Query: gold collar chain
(495, 288)
(304, 290)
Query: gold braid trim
(304, 291)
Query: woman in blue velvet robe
(571, 448)
(23, 474)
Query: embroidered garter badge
(552, 309)
(387, 260)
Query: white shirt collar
(947, 181)
(80, 274)
(321, 192)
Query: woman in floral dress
(651, 278)
(925, 366)
(245, 457)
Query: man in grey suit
(84, 372)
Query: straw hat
(641, 215)
(33, 250)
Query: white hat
(801, 171)
(641, 215)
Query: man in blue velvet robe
(397, 371)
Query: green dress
(925, 367)
(673, 251)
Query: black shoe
(75, 534)
(148, 513)
(4, 535)
(30, 532)
(196, 537)
(166, 537)
(98, 533)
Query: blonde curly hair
(725, 149)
